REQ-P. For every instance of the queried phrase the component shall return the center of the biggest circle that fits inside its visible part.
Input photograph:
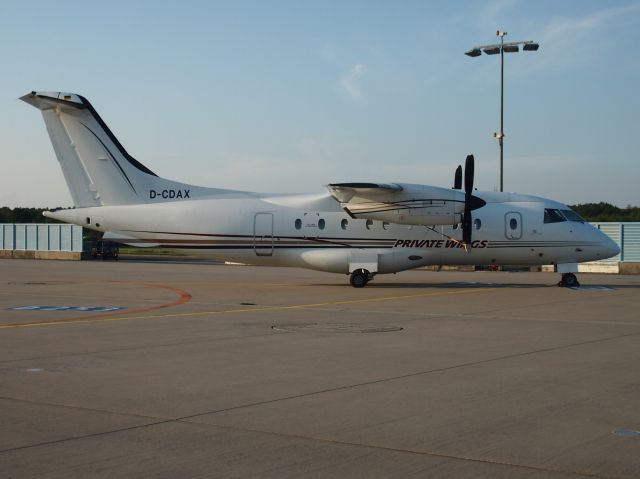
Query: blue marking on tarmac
(85, 309)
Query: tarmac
(235, 371)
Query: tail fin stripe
(112, 158)
(113, 138)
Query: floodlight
(502, 47)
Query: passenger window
(513, 223)
(553, 216)
(321, 223)
(344, 223)
(478, 223)
(369, 224)
(298, 223)
(385, 225)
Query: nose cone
(607, 247)
(612, 248)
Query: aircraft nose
(609, 247)
(612, 248)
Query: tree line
(601, 212)
(24, 215)
(594, 212)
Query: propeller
(457, 180)
(467, 220)
(470, 202)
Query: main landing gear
(568, 280)
(360, 277)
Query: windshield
(572, 216)
(553, 216)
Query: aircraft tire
(569, 280)
(359, 278)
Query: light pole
(502, 48)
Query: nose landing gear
(568, 280)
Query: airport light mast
(502, 48)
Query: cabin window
(477, 223)
(298, 223)
(344, 223)
(385, 225)
(369, 224)
(572, 216)
(553, 216)
(513, 223)
(321, 223)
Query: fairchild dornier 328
(357, 229)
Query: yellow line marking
(243, 310)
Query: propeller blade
(467, 220)
(467, 224)
(457, 181)
(468, 175)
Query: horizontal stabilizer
(50, 100)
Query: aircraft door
(263, 234)
(513, 225)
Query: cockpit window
(553, 216)
(572, 216)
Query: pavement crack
(84, 436)
(420, 452)
(414, 374)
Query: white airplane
(357, 229)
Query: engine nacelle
(400, 203)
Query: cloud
(573, 29)
(570, 42)
(351, 83)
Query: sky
(288, 96)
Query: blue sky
(287, 96)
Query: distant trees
(598, 212)
(34, 215)
(23, 215)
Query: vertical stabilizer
(98, 170)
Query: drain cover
(337, 328)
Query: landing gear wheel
(359, 278)
(569, 280)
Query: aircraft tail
(97, 168)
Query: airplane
(358, 229)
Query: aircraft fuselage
(311, 231)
